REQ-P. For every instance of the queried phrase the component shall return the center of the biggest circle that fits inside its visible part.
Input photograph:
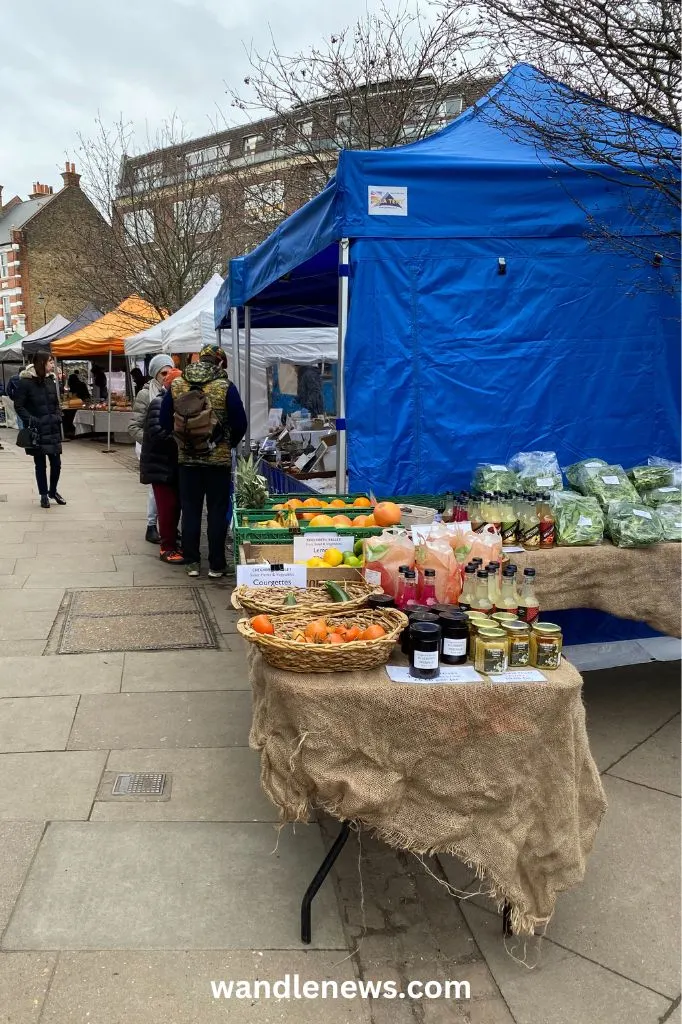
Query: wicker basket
(416, 515)
(314, 598)
(294, 656)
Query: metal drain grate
(139, 784)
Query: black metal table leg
(320, 875)
(506, 919)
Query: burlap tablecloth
(501, 776)
(634, 583)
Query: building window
(197, 216)
(4, 267)
(250, 143)
(7, 314)
(278, 136)
(264, 202)
(210, 158)
(451, 107)
(305, 128)
(138, 226)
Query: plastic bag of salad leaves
(674, 467)
(646, 478)
(537, 471)
(578, 521)
(631, 525)
(670, 495)
(671, 521)
(607, 484)
(490, 476)
(573, 472)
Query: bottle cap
(529, 572)
(482, 574)
(429, 572)
(509, 572)
(403, 568)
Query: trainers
(172, 557)
(152, 535)
(193, 569)
(216, 574)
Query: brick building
(40, 241)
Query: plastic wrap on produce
(631, 525)
(671, 521)
(669, 495)
(674, 467)
(646, 478)
(607, 484)
(537, 471)
(493, 477)
(573, 472)
(578, 520)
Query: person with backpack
(205, 413)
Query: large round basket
(313, 598)
(294, 656)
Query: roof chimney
(40, 190)
(69, 176)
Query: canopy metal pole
(341, 440)
(108, 447)
(247, 373)
(234, 328)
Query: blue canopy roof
(480, 177)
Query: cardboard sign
(314, 545)
(265, 576)
(447, 674)
(524, 675)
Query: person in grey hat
(159, 367)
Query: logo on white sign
(387, 200)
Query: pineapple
(251, 489)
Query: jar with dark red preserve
(455, 637)
(414, 616)
(425, 640)
(380, 601)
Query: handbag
(28, 437)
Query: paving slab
(676, 1016)
(35, 723)
(172, 885)
(561, 988)
(49, 786)
(18, 844)
(77, 580)
(37, 601)
(175, 988)
(13, 582)
(13, 550)
(67, 674)
(7, 566)
(186, 670)
(24, 625)
(57, 563)
(626, 705)
(656, 763)
(160, 575)
(625, 915)
(85, 552)
(24, 981)
(25, 649)
(71, 516)
(128, 720)
(207, 785)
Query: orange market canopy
(107, 334)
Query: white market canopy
(189, 329)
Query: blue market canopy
(482, 308)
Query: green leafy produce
(537, 471)
(251, 489)
(573, 472)
(631, 525)
(607, 484)
(646, 478)
(662, 496)
(578, 520)
(671, 521)
(493, 477)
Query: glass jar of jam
(425, 639)
(491, 650)
(546, 643)
(380, 601)
(518, 634)
(414, 616)
(455, 637)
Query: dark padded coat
(159, 455)
(37, 404)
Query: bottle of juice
(530, 526)
(493, 569)
(508, 601)
(546, 522)
(476, 513)
(529, 606)
(427, 592)
(449, 510)
(508, 518)
(481, 601)
(400, 587)
(410, 589)
(468, 588)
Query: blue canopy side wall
(450, 363)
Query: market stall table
(499, 775)
(94, 421)
(633, 583)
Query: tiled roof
(18, 215)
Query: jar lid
(491, 633)
(452, 619)
(504, 616)
(516, 627)
(381, 600)
(477, 615)
(425, 630)
(547, 627)
(423, 617)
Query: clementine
(322, 521)
(370, 520)
(342, 521)
(337, 503)
(360, 521)
(363, 503)
(374, 632)
(262, 624)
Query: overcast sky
(63, 61)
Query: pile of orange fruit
(386, 513)
(319, 631)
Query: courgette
(336, 592)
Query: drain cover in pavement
(139, 784)
(133, 619)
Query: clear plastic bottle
(481, 601)
(529, 606)
(468, 587)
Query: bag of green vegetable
(578, 521)
(607, 484)
(492, 477)
(646, 478)
(537, 471)
(662, 496)
(631, 525)
(573, 472)
(674, 467)
(671, 521)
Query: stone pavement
(123, 910)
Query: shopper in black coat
(37, 405)
(159, 467)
